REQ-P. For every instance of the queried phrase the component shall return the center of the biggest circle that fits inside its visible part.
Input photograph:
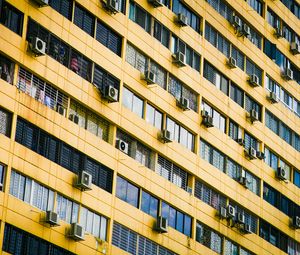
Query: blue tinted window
(179, 222)
(297, 178)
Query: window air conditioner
(207, 120)
(156, 3)
(236, 21)
(296, 222)
(166, 136)
(42, 2)
(111, 94)
(253, 115)
(183, 103)
(273, 98)
(74, 118)
(222, 213)
(161, 224)
(282, 173)
(84, 181)
(182, 20)
(76, 232)
(37, 46)
(122, 146)
(295, 48)
(254, 80)
(288, 74)
(241, 218)
(112, 6)
(250, 153)
(278, 32)
(60, 109)
(179, 59)
(243, 180)
(149, 77)
(246, 30)
(260, 155)
(52, 218)
(230, 211)
(246, 229)
(241, 141)
(231, 62)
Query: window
(177, 89)
(257, 5)
(17, 241)
(93, 223)
(127, 192)
(176, 219)
(41, 91)
(12, 18)
(251, 104)
(133, 102)
(212, 155)
(238, 56)
(235, 131)
(297, 178)
(7, 69)
(180, 134)
(2, 176)
(160, 74)
(237, 94)
(230, 248)
(172, 172)
(193, 18)
(135, 244)
(136, 150)
(109, 38)
(153, 116)
(31, 192)
(219, 121)
(66, 209)
(252, 68)
(5, 122)
(84, 20)
(161, 33)
(209, 195)
(209, 238)
(135, 58)
(140, 16)
(149, 204)
(80, 65)
(251, 141)
(64, 7)
(293, 6)
(89, 120)
(59, 50)
(215, 77)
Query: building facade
(149, 127)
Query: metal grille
(40, 90)
(147, 247)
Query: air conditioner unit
(183, 103)
(74, 118)
(273, 98)
(60, 109)
(84, 181)
(161, 224)
(243, 180)
(112, 6)
(288, 74)
(278, 32)
(42, 2)
(38, 46)
(52, 218)
(189, 190)
(230, 211)
(246, 228)
(166, 136)
(149, 77)
(182, 20)
(254, 80)
(241, 141)
(295, 48)
(241, 218)
(236, 21)
(246, 30)
(260, 155)
(111, 94)
(76, 232)
(250, 153)
(222, 213)
(207, 120)
(282, 173)
(179, 59)
(231, 62)
(296, 222)
(156, 3)
(122, 146)
(253, 115)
